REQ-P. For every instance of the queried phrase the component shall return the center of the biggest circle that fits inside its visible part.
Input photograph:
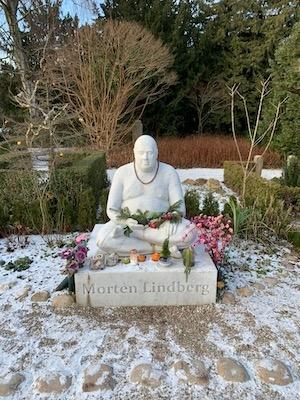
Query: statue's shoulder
(124, 170)
(167, 169)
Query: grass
(195, 151)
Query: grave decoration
(75, 255)
(152, 219)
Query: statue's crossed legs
(111, 238)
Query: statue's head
(145, 153)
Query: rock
(54, 383)
(5, 286)
(271, 281)
(220, 285)
(201, 181)
(100, 378)
(214, 185)
(273, 371)
(259, 286)
(183, 371)
(245, 292)
(23, 293)
(231, 370)
(189, 182)
(40, 296)
(10, 384)
(146, 375)
(228, 298)
(63, 300)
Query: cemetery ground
(246, 346)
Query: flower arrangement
(75, 254)
(151, 218)
(215, 233)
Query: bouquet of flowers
(151, 218)
(215, 233)
(75, 255)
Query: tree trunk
(10, 8)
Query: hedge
(260, 190)
(65, 201)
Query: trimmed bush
(66, 201)
(210, 206)
(191, 199)
(260, 190)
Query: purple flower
(83, 248)
(80, 254)
(73, 266)
(66, 254)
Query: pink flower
(80, 255)
(80, 238)
(66, 254)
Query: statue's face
(145, 155)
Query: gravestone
(146, 284)
(259, 162)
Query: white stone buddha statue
(147, 185)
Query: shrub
(291, 172)
(191, 199)
(238, 215)
(103, 204)
(210, 206)
(270, 203)
(260, 190)
(66, 201)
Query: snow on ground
(206, 173)
(40, 341)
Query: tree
(35, 31)
(109, 73)
(286, 82)
(243, 36)
(207, 98)
(179, 24)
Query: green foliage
(259, 190)
(188, 261)
(9, 86)
(294, 237)
(285, 73)
(103, 205)
(270, 203)
(165, 252)
(20, 264)
(239, 216)
(191, 199)
(210, 206)
(66, 201)
(291, 172)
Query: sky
(74, 7)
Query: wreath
(152, 218)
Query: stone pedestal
(147, 284)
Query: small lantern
(19, 143)
(133, 257)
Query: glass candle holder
(133, 257)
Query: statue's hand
(134, 225)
